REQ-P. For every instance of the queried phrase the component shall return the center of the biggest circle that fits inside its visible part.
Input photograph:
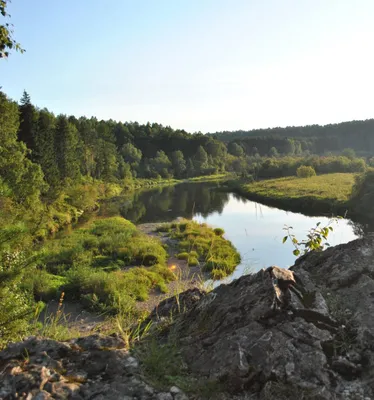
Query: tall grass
(107, 265)
(201, 244)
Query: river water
(255, 230)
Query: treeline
(317, 139)
(287, 166)
(53, 168)
(70, 147)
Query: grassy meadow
(322, 193)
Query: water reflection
(168, 203)
(255, 229)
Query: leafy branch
(316, 238)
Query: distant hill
(358, 135)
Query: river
(256, 230)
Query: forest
(313, 139)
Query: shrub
(193, 261)
(219, 231)
(305, 171)
(183, 256)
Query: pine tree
(28, 119)
(44, 153)
(66, 146)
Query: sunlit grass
(201, 245)
(336, 188)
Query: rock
(92, 367)
(164, 396)
(318, 345)
(42, 395)
(174, 305)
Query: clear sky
(201, 65)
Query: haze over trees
(315, 139)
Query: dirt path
(74, 315)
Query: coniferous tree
(44, 152)
(18, 175)
(28, 119)
(66, 146)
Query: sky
(198, 65)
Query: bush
(116, 291)
(193, 261)
(219, 231)
(183, 256)
(305, 171)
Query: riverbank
(326, 194)
(112, 270)
(149, 183)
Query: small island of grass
(199, 244)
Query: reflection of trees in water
(170, 202)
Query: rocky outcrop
(93, 367)
(315, 342)
(320, 347)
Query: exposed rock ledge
(321, 347)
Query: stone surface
(92, 367)
(318, 345)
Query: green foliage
(91, 260)
(66, 148)
(218, 274)
(235, 149)
(288, 166)
(193, 261)
(305, 171)
(349, 153)
(115, 291)
(273, 152)
(199, 244)
(43, 285)
(316, 238)
(7, 43)
(219, 231)
(183, 256)
(111, 242)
